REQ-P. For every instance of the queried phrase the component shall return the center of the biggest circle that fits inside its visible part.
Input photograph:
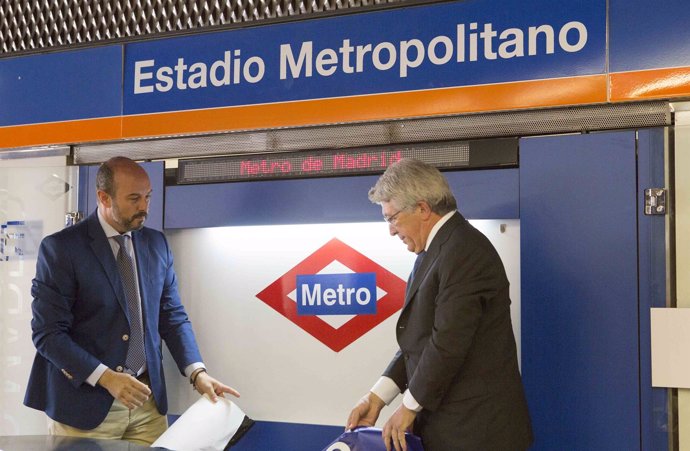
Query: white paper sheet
(670, 347)
(205, 426)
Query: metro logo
(387, 294)
(336, 294)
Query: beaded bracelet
(192, 380)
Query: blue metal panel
(652, 247)
(156, 171)
(268, 435)
(489, 194)
(646, 34)
(84, 202)
(89, 189)
(271, 435)
(61, 86)
(578, 214)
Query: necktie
(136, 356)
(417, 262)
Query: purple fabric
(368, 439)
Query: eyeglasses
(391, 219)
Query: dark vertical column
(580, 312)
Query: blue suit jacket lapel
(104, 253)
(141, 251)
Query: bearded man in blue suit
(88, 331)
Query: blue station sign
(406, 49)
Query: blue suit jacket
(80, 320)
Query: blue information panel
(648, 35)
(53, 87)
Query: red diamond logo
(390, 286)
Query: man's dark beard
(129, 222)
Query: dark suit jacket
(457, 351)
(80, 320)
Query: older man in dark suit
(457, 363)
(105, 295)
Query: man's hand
(207, 385)
(395, 428)
(365, 412)
(125, 388)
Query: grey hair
(409, 181)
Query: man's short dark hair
(105, 177)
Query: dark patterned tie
(417, 262)
(136, 356)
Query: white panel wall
(284, 373)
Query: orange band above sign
(470, 99)
(650, 84)
(64, 132)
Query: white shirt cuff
(192, 367)
(92, 380)
(385, 389)
(410, 402)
